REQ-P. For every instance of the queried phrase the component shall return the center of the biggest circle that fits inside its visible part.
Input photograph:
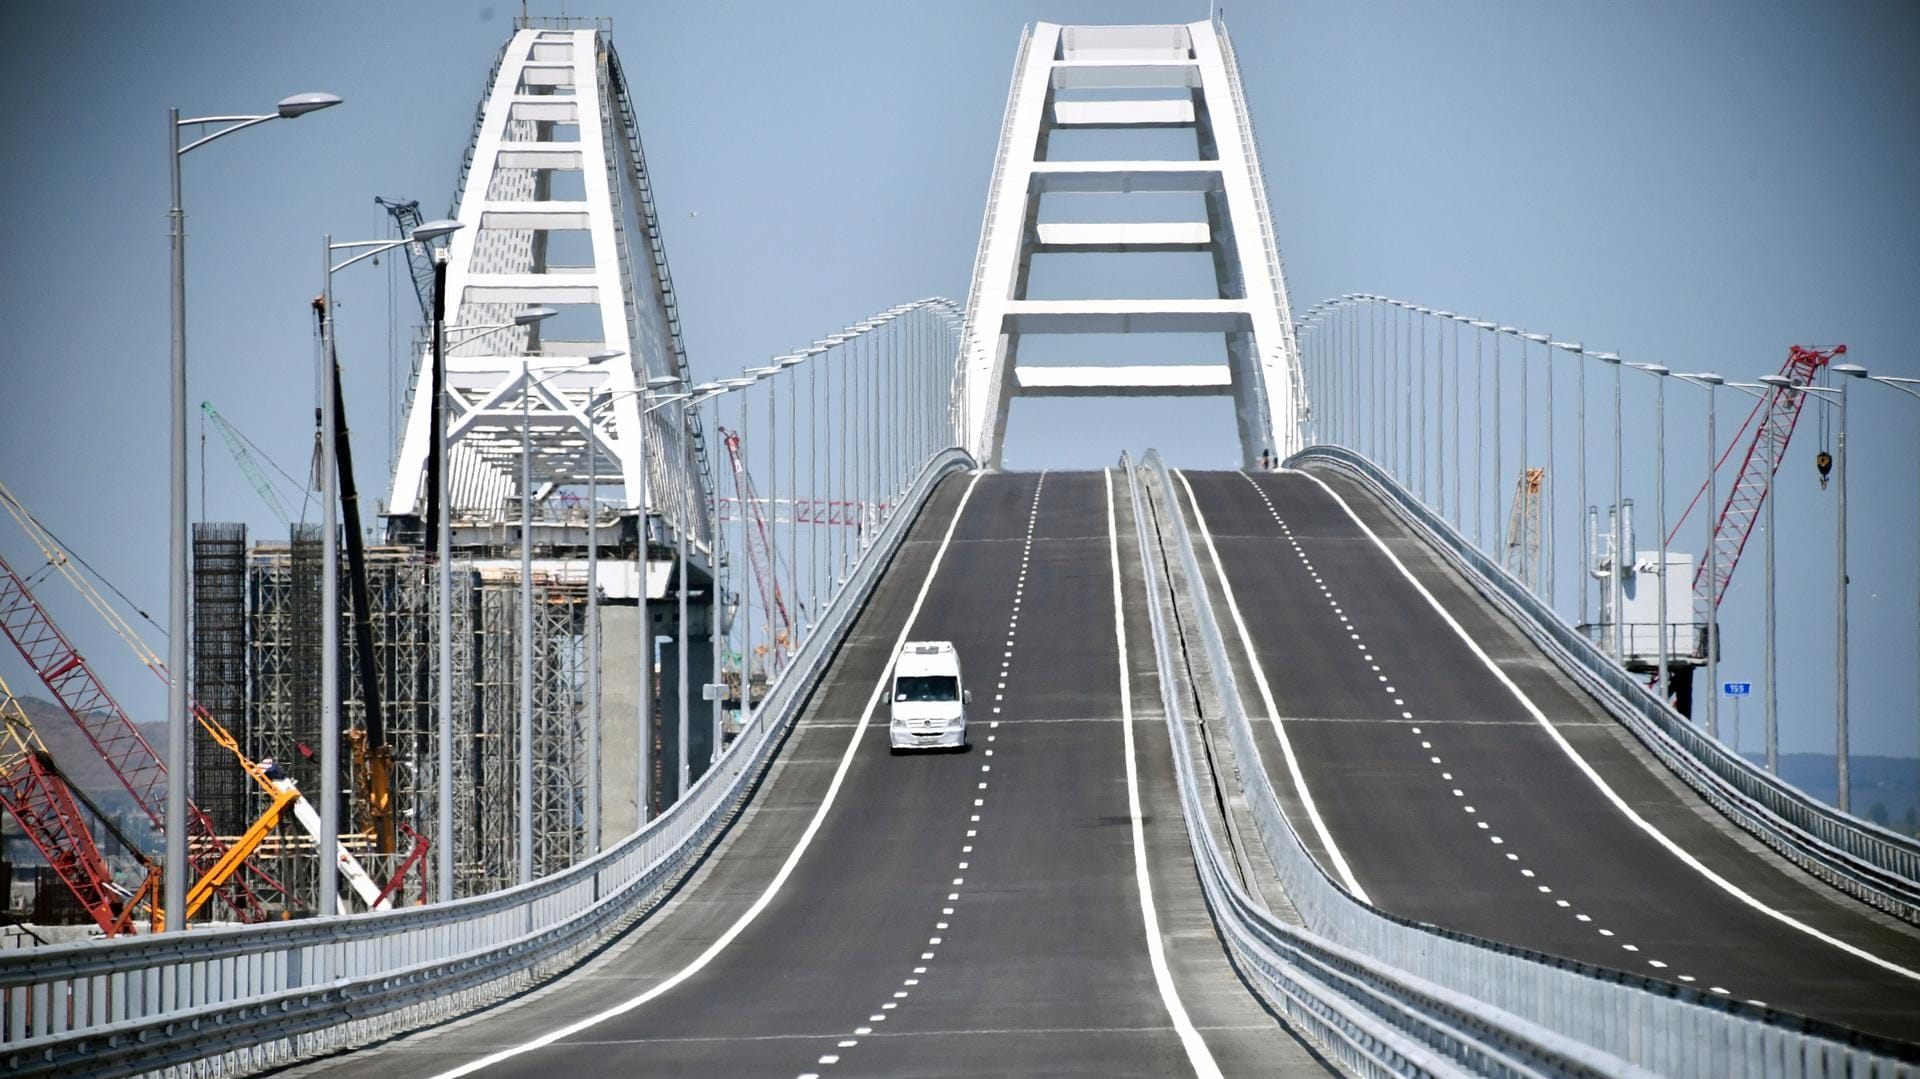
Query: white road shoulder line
(1580, 762)
(1273, 712)
(786, 868)
(1197, 1052)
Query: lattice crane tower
(1132, 77)
(558, 212)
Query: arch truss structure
(558, 213)
(1179, 78)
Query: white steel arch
(1120, 77)
(557, 209)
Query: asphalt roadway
(1452, 803)
(965, 913)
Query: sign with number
(1735, 689)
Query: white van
(928, 699)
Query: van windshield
(926, 687)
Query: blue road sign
(1735, 689)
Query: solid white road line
(1273, 712)
(1580, 762)
(1197, 1052)
(786, 868)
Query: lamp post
(443, 528)
(1479, 430)
(328, 850)
(1841, 747)
(593, 611)
(174, 860)
(1541, 571)
(1908, 387)
(1660, 504)
(744, 602)
(525, 741)
(1709, 381)
(1620, 556)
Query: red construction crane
(1772, 420)
(758, 550)
(73, 684)
(40, 797)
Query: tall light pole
(525, 741)
(593, 611)
(1841, 745)
(328, 850)
(1910, 387)
(1621, 556)
(1660, 504)
(1710, 382)
(1548, 479)
(174, 860)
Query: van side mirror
(886, 697)
(966, 696)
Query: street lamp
(643, 668)
(593, 612)
(174, 861)
(1709, 381)
(443, 550)
(1660, 373)
(328, 852)
(1620, 556)
(1908, 387)
(526, 598)
(1851, 371)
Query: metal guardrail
(1515, 997)
(1878, 866)
(230, 1000)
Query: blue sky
(1690, 184)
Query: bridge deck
(1452, 804)
(1042, 965)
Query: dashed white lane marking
(1587, 770)
(946, 912)
(1339, 860)
(1198, 1055)
(1426, 743)
(786, 868)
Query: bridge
(1304, 766)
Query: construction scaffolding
(220, 669)
(283, 587)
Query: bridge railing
(1576, 1018)
(242, 998)
(1876, 865)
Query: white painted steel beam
(1055, 66)
(1122, 177)
(1129, 380)
(1126, 236)
(1136, 75)
(1122, 113)
(1127, 316)
(535, 215)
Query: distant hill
(1886, 790)
(84, 767)
(77, 757)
